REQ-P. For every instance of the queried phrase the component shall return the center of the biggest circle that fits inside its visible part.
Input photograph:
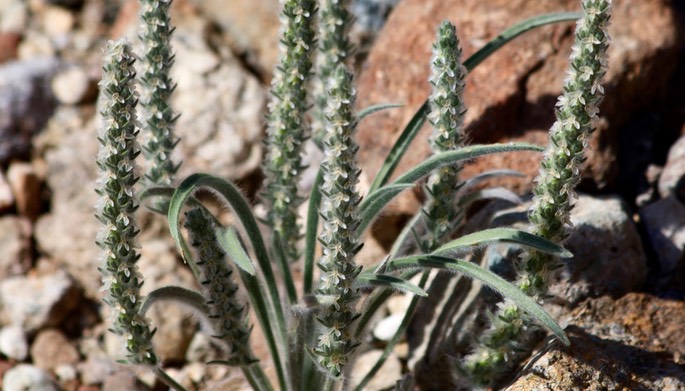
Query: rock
(67, 233)
(9, 41)
(671, 179)
(15, 246)
(663, 220)
(6, 196)
(27, 187)
(27, 377)
(123, 380)
(13, 16)
(255, 36)
(37, 302)
(14, 343)
(511, 96)
(25, 104)
(72, 86)
(51, 349)
(220, 129)
(57, 21)
(632, 343)
(96, 370)
(386, 328)
(608, 258)
(385, 378)
(66, 373)
(604, 242)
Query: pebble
(13, 343)
(26, 186)
(25, 377)
(15, 246)
(95, 370)
(72, 86)
(6, 196)
(57, 20)
(387, 327)
(386, 376)
(36, 302)
(26, 103)
(666, 232)
(52, 349)
(123, 380)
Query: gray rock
(665, 223)
(15, 246)
(608, 257)
(671, 178)
(604, 242)
(25, 377)
(36, 302)
(51, 348)
(14, 343)
(26, 103)
(96, 370)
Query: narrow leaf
(376, 108)
(492, 280)
(495, 193)
(390, 282)
(377, 200)
(228, 239)
(505, 235)
(176, 294)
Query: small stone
(123, 380)
(51, 349)
(36, 302)
(6, 196)
(13, 16)
(386, 376)
(13, 343)
(66, 372)
(26, 103)
(95, 370)
(665, 230)
(72, 86)
(27, 187)
(672, 178)
(57, 20)
(15, 246)
(27, 377)
(387, 327)
(9, 42)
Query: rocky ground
(621, 298)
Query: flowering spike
(447, 118)
(334, 49)
(340, 214)
(228, 314)
(116, 206)
(287, 127)
(156, 88)
(552, 203)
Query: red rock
(511, 96)
(9, 41)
